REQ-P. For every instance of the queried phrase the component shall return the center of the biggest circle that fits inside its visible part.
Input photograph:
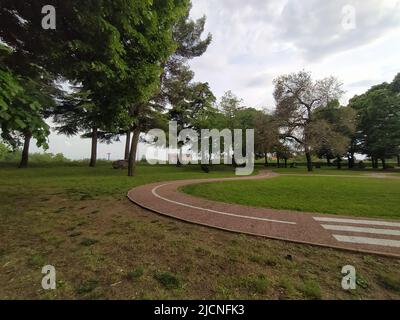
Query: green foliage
(23, 101)
(77, 114)
(115, 50)
(10, 87)
(298, 98)
(379, 120)
(230, 105)
(266, 134)
(192, 104)
(168, 280)
(13, 156)
(332, 129)
(48, 158)
(4, 151)
(26, 114)
(187, 34)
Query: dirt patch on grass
(108, 248)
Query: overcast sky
(254, 41)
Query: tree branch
(286, 136)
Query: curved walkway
(357, 234)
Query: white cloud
(256, 40)
(316, 27)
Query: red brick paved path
(357, 234)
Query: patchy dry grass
(104, 247)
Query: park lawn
(334, 171)
(79, 220)
(364, 197)
(78, 181)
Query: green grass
(390, 281)
(311, 290)
(52, 214)
(85, 183)
(255, 284)
(87, 286)
(168, 280)
(335, 171)
(88, 242)
(135, 274)
(334, 195)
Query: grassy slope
(333, 195)
(79, 220)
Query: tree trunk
(127, 145)
(285, 162)
(25, 151)
(93, 155)
(234, 164)
(309, 161)
(398, 160)
(179, 156)
(351, 160)
(133, 152)
(383, 163)
(339, 162)
(375, 164)
(328, 160)
(266, 160)
(278, 160)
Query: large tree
(147, 70)
(9, 84)
(75, 113)
(266, 135)
(297, 97)
(114, 49)
(26, 96)
(235, 115)
(334, 127)
(175, 80)
(85, 48)
(379, 121)
(192, 107)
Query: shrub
(168, 280)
